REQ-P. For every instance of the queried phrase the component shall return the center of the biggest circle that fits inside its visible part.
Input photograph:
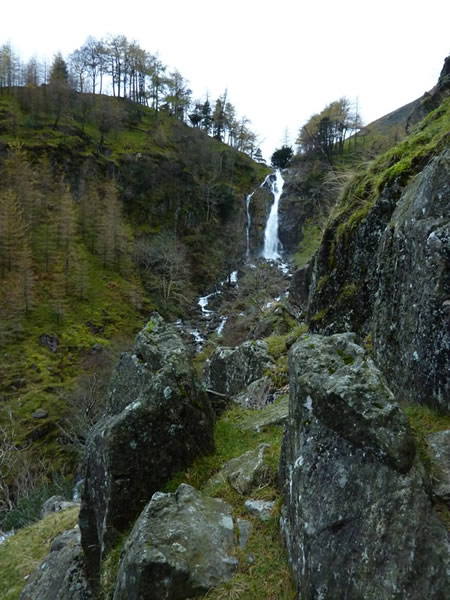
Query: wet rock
(243, 473)
(357, 520)
(230, 370)
(56, 504)
(61, 576)
(439, 444)
(159, 418)
(50, 341)
(261, 509)
(181, 546)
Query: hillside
(298, 447)
(114, 211)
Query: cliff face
(383, 267)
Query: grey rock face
(180, 547)
(160, 419)
(357, 519)
(439, 444)
(230, 370)
(411, 313)
(244, 472)
(61, 576)
(390, 278)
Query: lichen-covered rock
(230, 370)
(357, 519)
(411, 315)
(439, 444)
(61, 576)
(159, 420)
(341, 386)
(245, 472)
(181, 546)
(258, 394)
(261, 509)
(56, 504)
(385, 274)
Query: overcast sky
(281, 61)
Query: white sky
(281, 61)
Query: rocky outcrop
(432, 99)
(231, 369)
(61, 576)
(388, 278)
(181, 546)
(411, 312)
(159, 419)
(357, 519)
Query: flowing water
(249, 219)
(272, 245)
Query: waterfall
(272, 244)
(249, 219)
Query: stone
(439, 444)
(245, 529)
(268, 416)
(243, 473)
(357, 520)
(61, 576)
(159, 419)
(40, 413)
(339, 384)
(261, 509)
(181, 546)
(231, 369)
(257, 394)
(50, 341)
(56, 504)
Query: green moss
(423, 421)
(21, 554)
(310, 242)
(276, 345)
(347, 292)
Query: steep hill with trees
(108, 208)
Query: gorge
(284, 435)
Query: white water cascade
(272, 244)
(249, 219)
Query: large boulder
(61, 576)
(357, 519)
(159, 419)
(231, 369)
(181, 546)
